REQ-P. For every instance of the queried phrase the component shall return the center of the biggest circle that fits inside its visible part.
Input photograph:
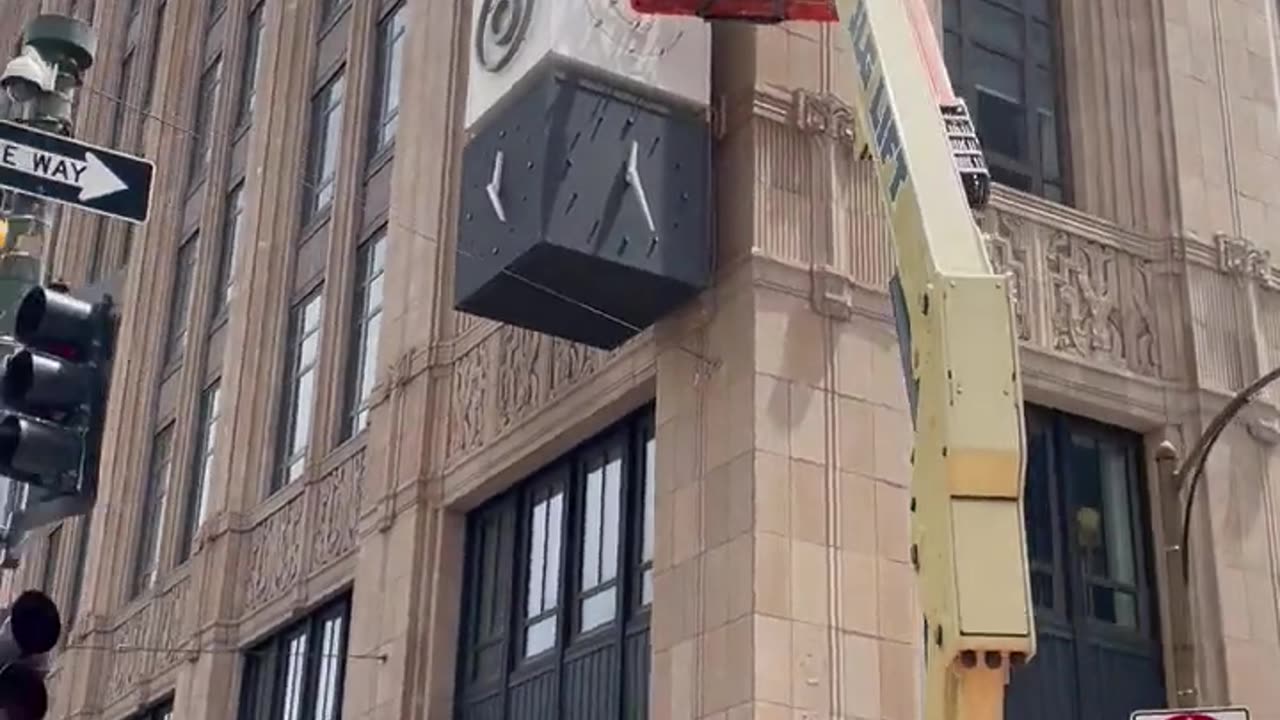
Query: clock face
(633, 33)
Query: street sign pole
(38, 89)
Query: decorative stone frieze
(507, 376)
(1238, 256)
(146, 642)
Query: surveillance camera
(27, 75)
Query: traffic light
(54, 380)
(30, 630)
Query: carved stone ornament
(520, 380)
(500, 31)
(508, 376)
(275, 555)
(1007, 246)
(337, 510)
(824, 114)
(1238, 256)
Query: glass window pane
(591, 521)
(1041, 43)
(599, 608)
(537, 559)
(650, 480)
(996, 27)
(327, 697)
(1049, 148)
(296, 666)
(612, 503)
(252, 64)
(997, 75)
(1117, 516)
(1001, 126)
(540, 637)
(555, 528)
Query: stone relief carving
(824, 114)
(129, 667)
(571, 362)
(467, 398)
(509, 375)
(337, 510)
(1007, 244)
(275, 555)
(1084, 292)
(1238, 256)
(520, 379)
(1145, 357)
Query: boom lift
(960, 352)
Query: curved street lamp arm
(1199, 454)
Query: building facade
(328, 493)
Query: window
(299, 673)
(52, 550)
(232, 224)
(557, 587)
(161, 711)
(322, 157)
(122, 92)
(299, 397)
(153, 62)
(77, 573)
(1088, 553)
(329, 10)
(202, 143)
(1002, 60)
(252, 63)
(366, 326)
(155, 496)
(197, 499)
(176, 338)
(386, 89)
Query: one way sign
(75, 173)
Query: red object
(757, 11)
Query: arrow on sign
(91, 177)
(68, 171)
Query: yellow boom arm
(961, 352)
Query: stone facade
(783, 587)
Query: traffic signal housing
(30, 630)
(54, 381)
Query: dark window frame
(963, 48)
(162, 710)
(263, 679)
(203, 450)
(492, 660)
(387, 41)
(52, 556)
(180, 295)
(148, 547)
(295, 368)
(229, 242)
(250, 64)
(319, 182)
(364, 314)
(204, 114)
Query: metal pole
(38, 89)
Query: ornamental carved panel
(507, 377)
(337, 511)
(468, 394)
(275, 555)
(1008, 245)
(1076, 295)
(130, 662)
(520, 374)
